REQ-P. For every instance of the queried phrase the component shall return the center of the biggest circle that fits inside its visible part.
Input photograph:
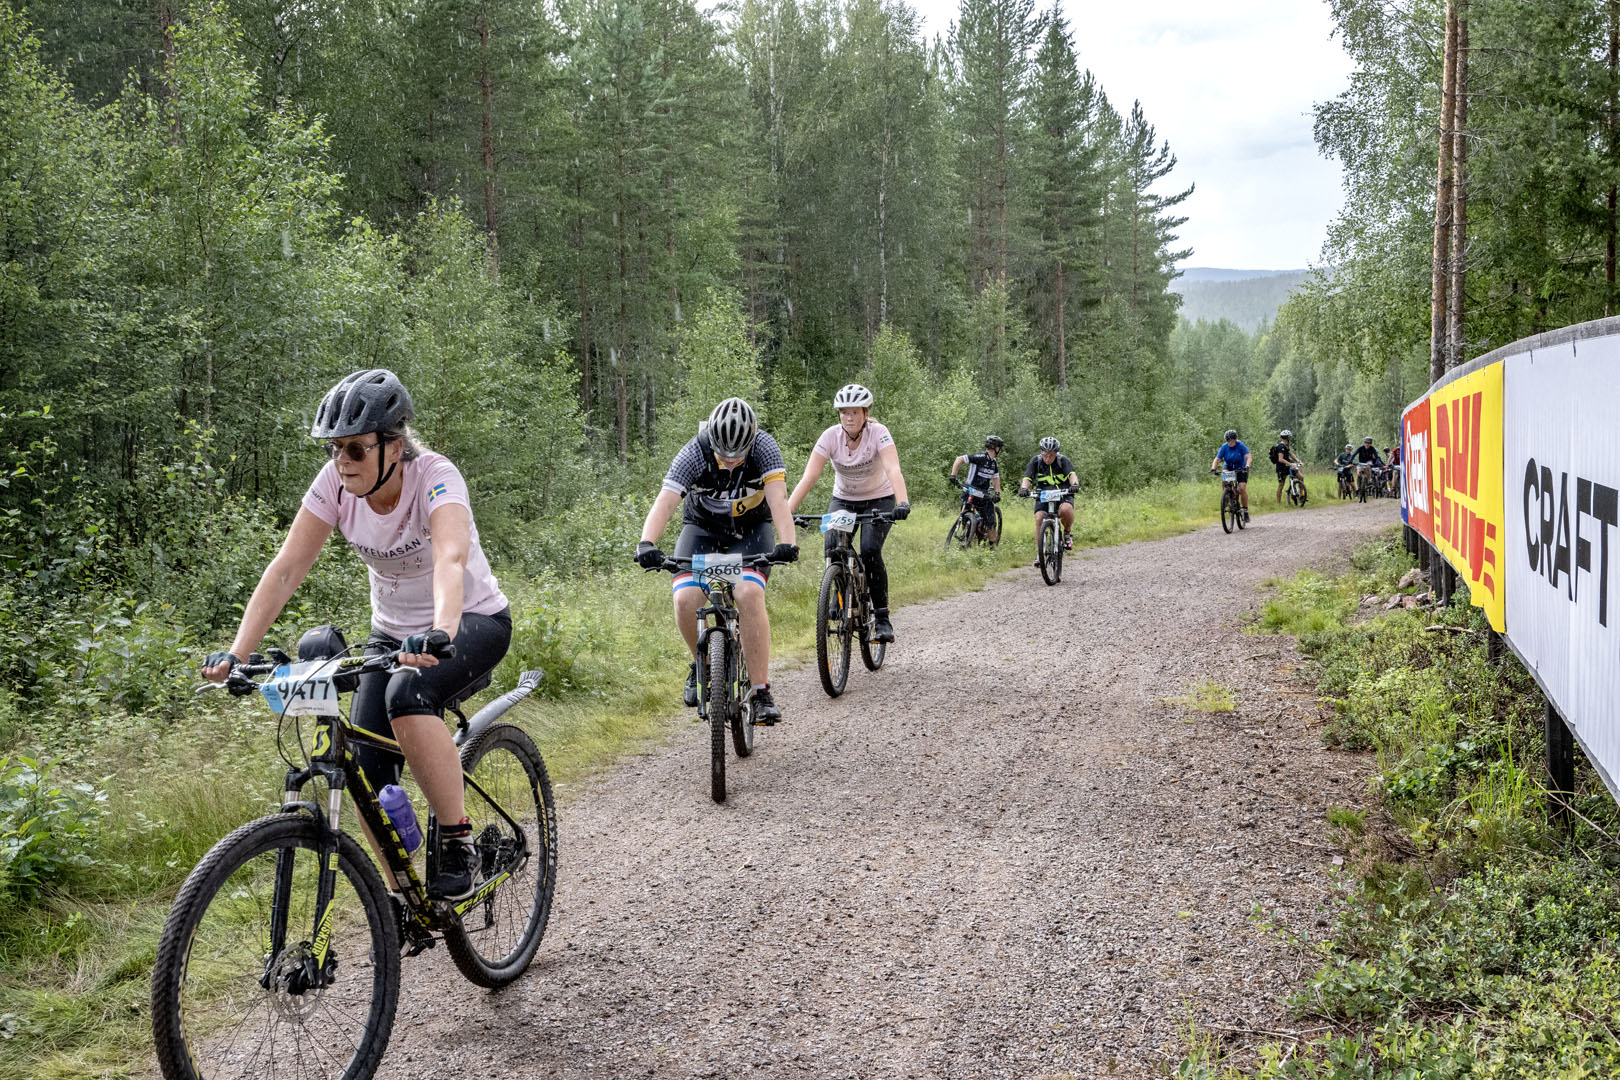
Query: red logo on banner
(1419, 485)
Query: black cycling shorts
(1068, 500)
(1282, 472)
(696, 540)
(1242, 475)
(481, 642)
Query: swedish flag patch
(435, 492)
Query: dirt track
(1002, 856)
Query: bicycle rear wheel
(498, 932)
(1229, 511)
(242, 986)
(720, 706)
(833, 631)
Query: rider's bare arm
(276, 586)
(663, 508)
(812, 474)
(781, 515)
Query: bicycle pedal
(418, 946)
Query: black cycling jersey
(1049, 476)
(1368, 455)
(982, 470)
(1281, 453)
(1345, 460)
(728, 501)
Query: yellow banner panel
(1469, 530)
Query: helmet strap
(382, 477)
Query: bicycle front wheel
(833, 630)
(720, 706)
(1229, 511)
(246, 985)
(1046, 550)
(514, 820)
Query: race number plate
(1229, 476)
(977, 493)
(1052, 495)
(838, 521)
(718, 567)
(302, 689)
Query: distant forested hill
(1246, 297)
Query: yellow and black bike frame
(719, 616)
(331, 760)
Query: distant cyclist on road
(734, 484)
(983, 472)
(1051, 469)
(1345, 462)
(1366, 458)
(1283, 456)
(1235, 456)
(866, 477)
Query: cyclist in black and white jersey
(734, 485)
(983, 474)
(1052, 469)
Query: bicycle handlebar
(683, 564)
(862, 518)
(240, 682)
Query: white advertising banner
(1561, 488)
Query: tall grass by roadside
(1474, 939)
(75, 958)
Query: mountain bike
(844, 604)
(725, 692)
(1347, 486)
(1049, 537)
(1231, 505)
(1296, 487)
(970, 526)
(282, 950)
(1363, 480)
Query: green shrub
(48, 829)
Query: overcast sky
(1230, 83)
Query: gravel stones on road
(1004, 855)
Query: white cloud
(1230, 84)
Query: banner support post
(1560, 764)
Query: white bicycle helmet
(1050, 443)
(732, 427)
(853, 396)
(1286, 434)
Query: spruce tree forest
(572, 226)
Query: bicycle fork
(315, 968)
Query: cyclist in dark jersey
(1366, 458)
(734, 485)
(1052, 469)
(1282, 455)
(984, 474)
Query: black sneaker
(689, 695)
(1068, 542)
(457, 861)
(765, 710)
(882, 629)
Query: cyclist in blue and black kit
(734, 485)
(1235, 456)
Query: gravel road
(1004, 855)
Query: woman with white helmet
(866, 476)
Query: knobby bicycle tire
(720, 706)
(953, 536)
(210, 961)
(873, 652)
(1046, 549)
(742, 717)
(1229, 514)
(494, 941)
(832, 629)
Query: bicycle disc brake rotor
(295, 987)
(497, 851)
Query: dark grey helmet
(994, 442)
(370, 400)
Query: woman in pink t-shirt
(405, 512)
(866, 476)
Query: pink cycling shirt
(857, 472)
(397, 547)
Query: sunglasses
(353, 451)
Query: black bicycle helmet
(994, 442)
(732, 427)
(1231, 433)
(370, 400)
(1050, 443)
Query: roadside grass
(75, 964)
(1473, 937)
(1206, 696)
